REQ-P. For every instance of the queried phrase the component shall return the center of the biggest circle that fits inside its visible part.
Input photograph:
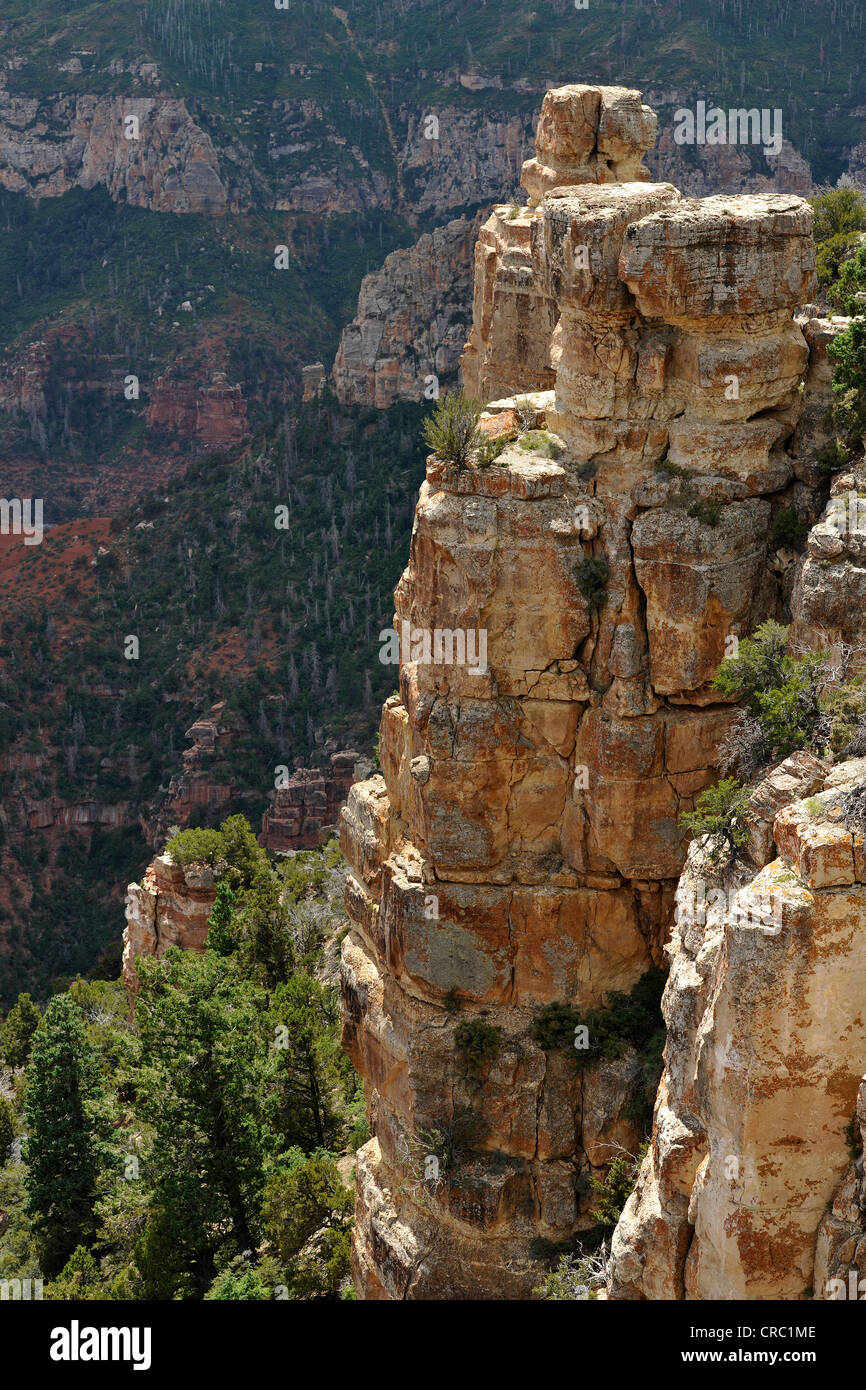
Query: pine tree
(219, 934)
(66, 1145)
(17, 1033)
(202, 1085)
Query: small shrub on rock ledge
(720, 818)
(452, 430)
(476, 1044)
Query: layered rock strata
(522, 845)
(411, 323)
(306, 810)
(170, 907)
(766, 1015)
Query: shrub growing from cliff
(476, 1044)
(452, 430)
(719, 817)
(625, 1020)
(591, 576)
(782, 693)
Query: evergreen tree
(310, 1065)
(203, 1085)
(219, 934)
(7, 1129)
(16, 1036)
(65, 1149)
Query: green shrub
(488, 451)
(476, 1044)
(197, 846)
(554, 1026)
(833, 456)
(625, 1020)
(7, 1129)
(837, 211)
(591, 576)
(614, 1189)
(760, 663)
(833, 255)
(452, 430)
(671, 469)
(720, 813)
(787, 530)
(845, 707)
(540, 442)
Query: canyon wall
(522, 846)
(412, 320)
(752, 1135)
(165, 162)
(753, 1186)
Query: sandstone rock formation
(169, 165)
(766, 1045)
(305, 812)
(170, 907)
(522, 845)
(412, 320)
(828, 606)
(213, 414)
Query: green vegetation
(280, 623)
(614, 1189)
(452, 431)
(782, 693)
(541, 442)
(192, 1152)
(591, 576)
(840, 218)
(16, 1035)
(476, 1044)
(720, 817)
(591, 1036)
(787, 530)
(66, 1147)
(707, 513)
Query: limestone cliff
(522, 845)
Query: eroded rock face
(411, 322)
(766, 1044)
(170, 165)
(170, 907)
(522, 845)
(828, 605)
(214, 414)
(305, 811)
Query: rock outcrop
(412, 321)
(305, 812)
(522, 845)
(766, 1046)
(147, 151)
(170, 907)
(213, 414)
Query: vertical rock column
(522, 844)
